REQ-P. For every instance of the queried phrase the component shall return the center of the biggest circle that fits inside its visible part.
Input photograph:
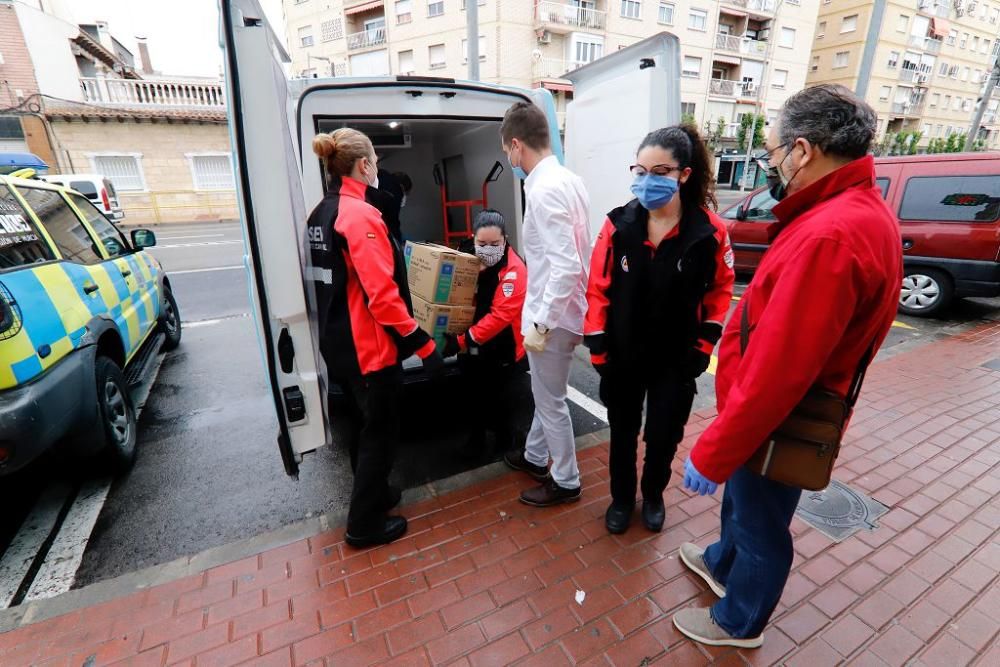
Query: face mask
(517, 171)
(654, 191)
(402, 202)
(372, 181)
(489, 255)
(776, 182)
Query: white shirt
(556, 246)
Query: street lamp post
(759, 103)
(977, 120)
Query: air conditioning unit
(920, 78)
(545, 37)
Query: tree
(758, 131)
(915, 138)
(688, 119)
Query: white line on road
(24, 548)
(205, 323)
(587, 403)
(191, 236)
(198, 244)
(208, 270)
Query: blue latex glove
(695, 481)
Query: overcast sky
(183, 34)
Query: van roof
(938, 157)
(33, 183)
(75, 177)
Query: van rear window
(951, 199)
(85, 188)
(20, 242)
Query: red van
(949, 213)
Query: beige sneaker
(697, 624)
(694, 557)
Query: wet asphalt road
(208, 469)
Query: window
(692, 67)
(935, 100)
(952, 37)
(986, 47)
(977, 76)
(588, 51)
(953, 71)
(404, 12)
(211, 171)
(787, 38)
(958, 103)
(331, 30)
(841, 59)
(821, 30)
(305, 35)
(687, 108)
(780, 78)
(86, 188)
(20, 242)
(884, 93)
(112, 239)
(938, 129)
(631, 9)
(760, 205)
(482, 49)
(435, 8)
(883, 185)
(893, 59)
(903, 24)
(815, 64)
(68, 233)
(995, 16)
(849, 24)
(951, 199)
(123, 170)
(975, 44)
(947, 102)
(964, 41)
(966, 104)
(965, 74)
(943, 70)
(698, 19)
(406, 62)
(436, 56)
(666, 16)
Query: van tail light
(105, 200)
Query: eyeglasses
(764, 161)
(659, 170)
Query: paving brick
(553, 656)
(241, 604)
(676, 593)
(913, 541)
(950, 596)
(449, 570)
(415, 658)
(230, 654)
(797, 588)
(415, 633)
(896, 646)
(468, 609)
(589, 640)
(559, 569)
(816, 652)
(848, 634)
(322, 644)
(974, 629)
(312, 601)
(834, 599)
(151, 658)
(638, 583)
(906, 587)
(634, 615)
(947, 650)
(171, 629)
(597, 575)
(889, 558)
(683, 655)
(508, 618)
(597, 603)
(930, 567)
(284, 554)
(434, 599)
(802, 623)
(500, 653)
(205, 597)
(973, 532)
(370, 652)
(515, 588)
(639, 649)
(598, 551)
(863, 579)
(822, 569)
(260, 619)
(480, 580)
(288, 633)
(198, 643)
(974, 575)
(382, 619)
(776, 647)
(455, 643)
(878, 609)
(924, 620)
(261, 578)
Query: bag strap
(853, 393)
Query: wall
(170, 195)
(47, 36)
(17, 71)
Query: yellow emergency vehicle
(82, 311)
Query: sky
(183, 35)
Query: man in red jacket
(824, 296)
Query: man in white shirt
(556, 245)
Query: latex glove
(535, 341)
(695, 481)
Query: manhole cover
(838, 511)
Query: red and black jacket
(647, 304)
(500, 294)
(363, 300)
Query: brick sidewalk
(483, 580)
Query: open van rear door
(272, 209)
(617, 100)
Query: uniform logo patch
(728, 258)
(511, 275)
(371, 235)
(625, 264)
(508, 289)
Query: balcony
(562, 18)
(760, 7)
(753, 48)
(553, 68)
(146, 94)
(938, 8)
(914, 76)
(732, 89)
(926, 44)
(366, 39)
(908, 108)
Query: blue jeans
(753, 556)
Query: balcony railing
(938, 8)
(908, 108)
(554, 68)
(366, 39)
(765, 6)
(928, 44)
(727, 88)
(727, 43)
(914, 76)
(557, 14)
(142, 93)
(742, 45)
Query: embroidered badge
(371, 235)
(511, 275)
(625, 264)
(728, 258)
(508, 289)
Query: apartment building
(725, 44)
(922, 64)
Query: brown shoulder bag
(802, 450)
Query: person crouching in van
(366, 325)
(491, 352)
(661, 279)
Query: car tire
(170, 321)
(925, 292)
(118, 427)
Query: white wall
(48, 43)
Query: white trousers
(551, 434)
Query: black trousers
(669, 397)
(500, 399)
(372, 403)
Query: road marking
(23, 550)
(207, 323)
(587, 403)
(208, 270)
(198, 244)
(191, 236)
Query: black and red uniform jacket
(496, 328)
(647, 304)
(365, 315)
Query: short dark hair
(490, 217)
(405, 181)
(831, 117)
(527, 123)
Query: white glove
(535, 340)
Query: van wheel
(926, 292)
(117, 431)
(170, 321)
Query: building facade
(724, 44)
(922, 64)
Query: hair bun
(324, 145)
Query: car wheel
(926, 292)
(170, 321)
(118, 427)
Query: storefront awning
(731, 12)
(729, 60)
(364, 7)
(940, 28)
(557, 86)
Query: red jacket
(365, 318)
(499, 319)
(826, 290)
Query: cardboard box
(438, 274)
(437, 319)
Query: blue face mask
(517, 171)
(654, 191)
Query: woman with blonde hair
(366, 324)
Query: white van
(95, 187)
(419, 125)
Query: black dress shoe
(653, 514)
(393, 496)
(517, 461)
(618, 517)
(393, 529)
(549, 494)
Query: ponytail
(687, 147)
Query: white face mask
(374, 181)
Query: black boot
(392, 529)
(653, 514)
(618, 517)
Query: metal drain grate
(839, 511)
